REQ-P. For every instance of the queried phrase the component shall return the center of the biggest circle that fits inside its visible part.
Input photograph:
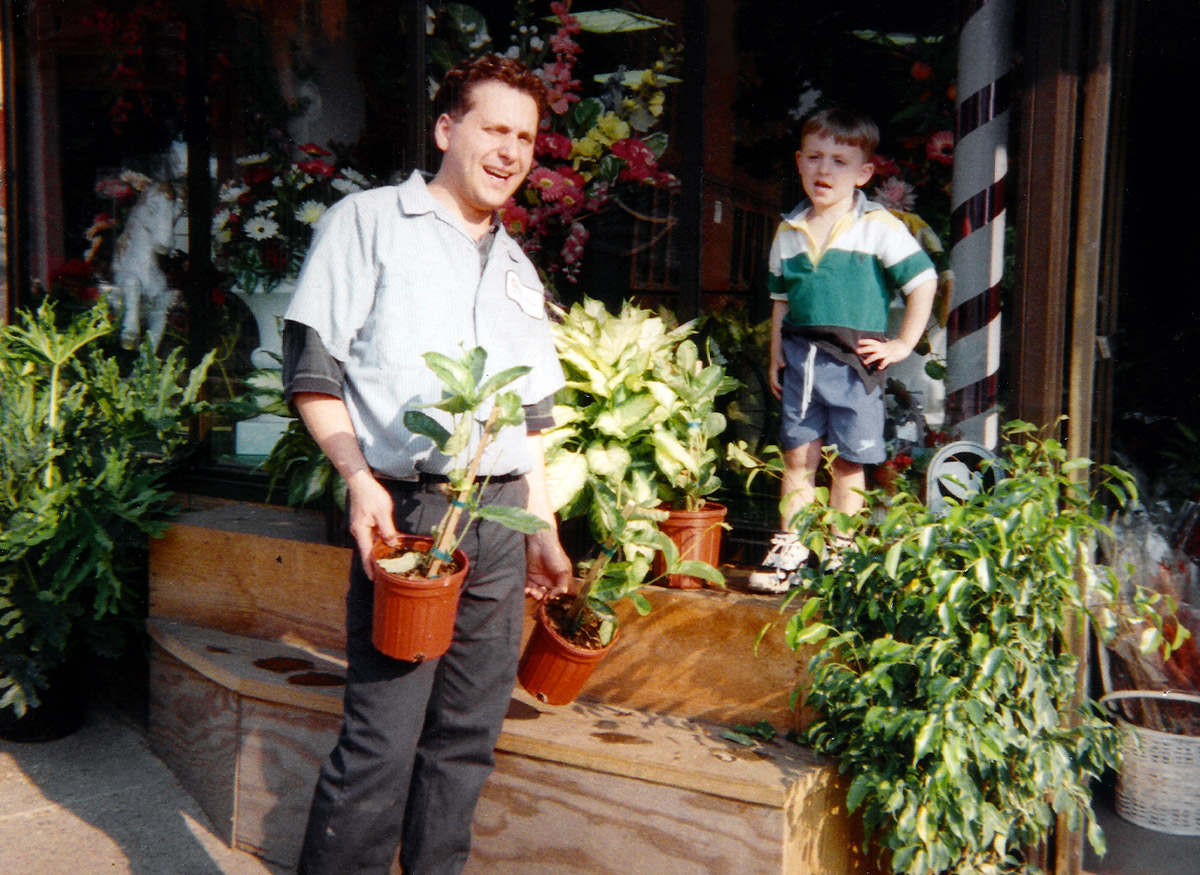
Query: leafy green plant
(84, 450)
(600, 456)
(466, 391)
(684, 443)
(942, 679)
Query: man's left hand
(548, 570)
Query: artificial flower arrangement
(592, 148)
(264, 218)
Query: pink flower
(896, 194)
(921, 71)
(114, 188)
(553, 145)
(315, 150)
(562, 11)
(940, 147)
(557, 185)
(562, 44)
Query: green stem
(445, 538)
(575, 614)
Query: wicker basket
(1159, 783)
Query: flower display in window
(598, 141)
(265, 215)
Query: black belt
(423, 478)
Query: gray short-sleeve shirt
(390, 275)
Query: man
(393, 273)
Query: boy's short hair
(453, 98)
(845, 126)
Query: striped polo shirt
(848, 285)
(392, 274)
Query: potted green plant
(942, 679)
(87, 436)
(686, 456)
(600, 463)
(418, 580)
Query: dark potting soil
(587, 635)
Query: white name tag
(529, 299)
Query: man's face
(488, 151)
(830, 171)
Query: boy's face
(830, 171)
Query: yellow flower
(609, 128)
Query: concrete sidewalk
(99, 801)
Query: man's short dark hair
(845, 126)
(454, 96)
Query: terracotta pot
(697, 534)
(414, 617)
(552, 669)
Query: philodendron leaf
(457, 376)
(426, 426)
(498, 381)
(514, 517)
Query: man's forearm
(328, 421)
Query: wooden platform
(246, 702)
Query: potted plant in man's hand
(418, 578)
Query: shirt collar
(415, 200)
(797, 217)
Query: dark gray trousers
(417, 739)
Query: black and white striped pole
(977, 195)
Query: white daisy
(265, 206)
(219, 220)
(354, 176)
(345, 186)
(262, 228)
(309, 211)
(230, 192)
(256, 158)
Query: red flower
(884, 167)
(553, 145)
(921, 71)
(315, 150)
(317, 167)
(940, 147)
(273, 257)
(514, 218)
(641, 164)
(258, 174)
(218, 296)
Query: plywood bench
(246, 702)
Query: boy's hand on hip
(882, 353)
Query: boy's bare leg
(788, 552)
(799, 480)
(848, 481)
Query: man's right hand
(370, 515)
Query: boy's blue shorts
(840, 410)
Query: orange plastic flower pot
(414, 617)
(552, 669)
(697, 535)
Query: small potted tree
(418, 580)
(600, 463)
(686, 458)
(942, 680)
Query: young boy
(834, 263)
